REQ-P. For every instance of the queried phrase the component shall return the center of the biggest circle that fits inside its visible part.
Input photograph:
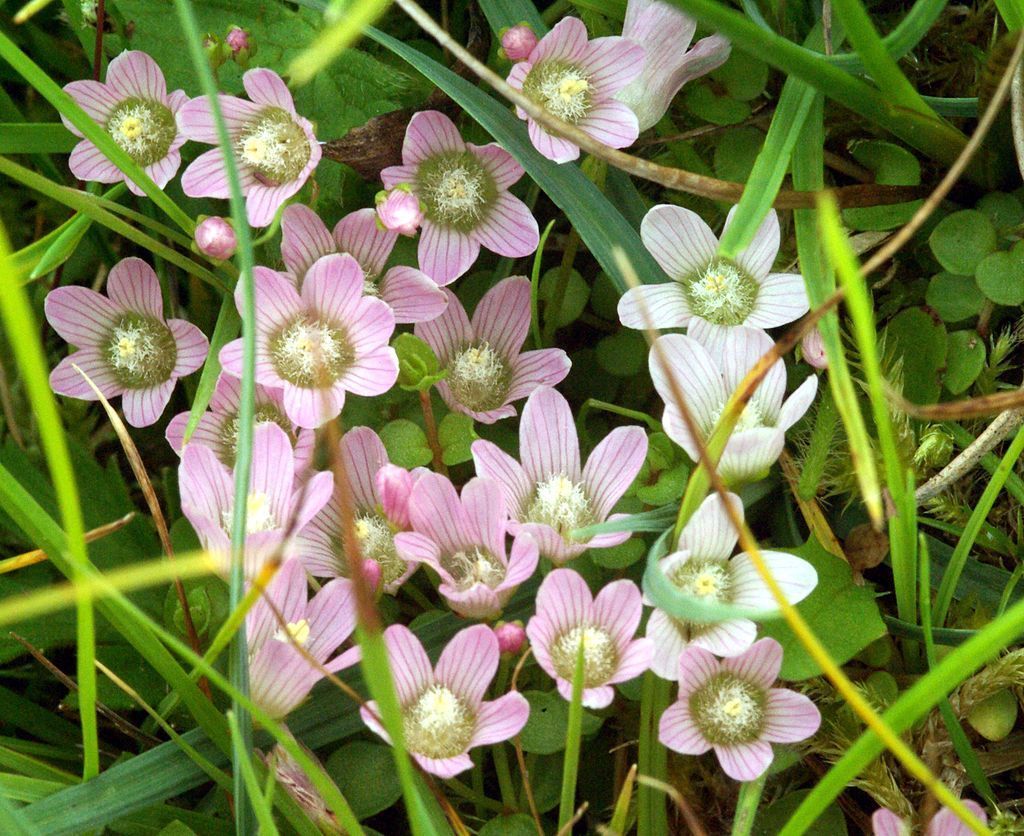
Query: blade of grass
(346, 25)
(573, 735)
(14, 821)
(264, 816)
(23, 336)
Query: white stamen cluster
(709, 580)
(722, 293)
(293, 633)
(144, 128)
(563, 88)
(311, 352)
(141, 352)
(228, 448)
(438, 724)
(377, 543)
(750, 417)
(472, 566)
(729, 710)
(259, 516)
(274, 146)
(454, 189)
(562, 504)
(478, 377)
(600, 654)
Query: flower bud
(215, 238)
(372, 574)
(518, 42)
(813, 348)
(399, 211)
(510, 635)
(216, 50)
(394, 487)
(242, 48)
(290, 775)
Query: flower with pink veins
(319, 343)
(444, 714)
(398, 210)
(277, 504)
(730, 706)
(274, 147)
(703, 568)
(707, 378)
(280, 675)
(577, 80)
(380, 493)
(125, 345)
(548, 495)
(463, 540)
(134, 107)
(411, 293)
(218, 426)
(464, 194)
(708, 292)
(568, 616)
(944, 823)
(665, 33)
(486, 367)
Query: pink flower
(276, 507)
(290, 775)
(707, 377)
(665, 33)
(547, 495)
(125, 345)
(380, 492)
(238, 39)
(518, 42)
(463, 540)
(444, 714)
(813, 348)
(568, 616)
(944, 823)
(577, 81)
(275, 149)
(487, 369)
(702, 569)
(412, 295)
(463, 191)
(218, 427)
(320, 343)
(399, 211)
(707, 291)
(731, 707)
(216, 238)
(134, 107)
(280, 677)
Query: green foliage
(892, 165)
(418, 366)
(965, 358)
(574, 301)
(1000, 275)
(771, 819)
(456, 434)
(365, 774)
(622, 354)
(954, 298)
(544, 733)
(406, 443)
(916, 338)
(516, 824)
(960, 241)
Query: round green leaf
(1004, 210)
(351, 766)
(892, 165)
(620, 556)
(406, 443)
(1000, 276)
(954, 297)
(544, 733)
(623, 354)
(961, 240)
(702, 101)
(735, 153)
(577, 291)
(921, 342)
(965, 358)
(518, 824)
(773, 819)
(455, 434)
(743, 76)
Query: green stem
(553, 306)
(538, 342)
(573, 735)
(500, 751)
(746, 806)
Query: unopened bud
(372, 574)
(813, 348)
(399, 211)
(215, 237)
(216, 50)
(290, 775)
(518, 42)
(510, 635)
(241, 45)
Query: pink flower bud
(238, 39)
(399, 210)
(215, 238)
(814, 349)
(510, 635)
(394, 487)
(372, 574)
(518, 42)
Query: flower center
(377, 543)
(562, 87)
(455, 189)
(265, 413)
(438, 724)
(729, 710)
(294, 632)
(274, 146)
(750, 418)
(479, 378)
(141, 351)
(709, 580)
(259, 516)
(600, 654)
(311, 353)
(472, 566)
(562, 504)
(722, 293)
(143, 128)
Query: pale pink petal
(696, 666)
(758, 257)
(161, 172)
(332, 617)
(727, 638)
(887, 823)
(265, 87)
(312, 408)
(271, 470)
(192, 347)
(551, 544)
(709, 533)
(947, 823)
(132, 285)
(333, 286)
(502, 317)
(563, 602)
(277, 301)
(509, 228)
(500, 719)
(372, 373)
(612, 467)
(430, 132)
(87, 162)
(445, 253)
(796, 577)
(516, 77)
(371, 322)
(596, 698)
(410, 665)
(634, 660)
(547, 438)
(712, 337)
(82, 317)
(741, 349)
(655, 306)
(781, 299)
(449, 333)
(412, 295)
(790, 717)
(612, 63)
(567, 40)
(414, 547)
(678, 731)
(197, 123)
(262, 202)
(205, 485)
(484, 505)
(612, 123)
(745, 761)
(760, 665)
(678, 239)
(363, 455)
(749, 454)
(670, 639)
(304, 239)
(66, 380)
(696, 375)
(358, 234)
(436, 511)
(617, 608)
(396, 175)
(394, 486)
(522, 561)
(134, 74)
(544, 367)
(794, 407)
(676, 429)
(143, 407)
(280, 678)
(370, 714)
(500, 164)
(207, 176)
(493, 462)
(95, 98)
(468, 663)
(554, 148)
(444, 767)
(287, 593)
(175, 432)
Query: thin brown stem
(436, 451)
(97, 53)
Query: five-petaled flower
(944, 823)
(730, 706)
(444, 714)
(577, 80)
(134, 107)
(569, 620)
(701, 568)
(486, 367)
(463, 192)
(274, 147)
(319, 343)
(125, 345)
(549, 495)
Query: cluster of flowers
(323, 326)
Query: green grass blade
(242, 759)
(14, 822)
(345, 28)
(573, 736)
(22, 333)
